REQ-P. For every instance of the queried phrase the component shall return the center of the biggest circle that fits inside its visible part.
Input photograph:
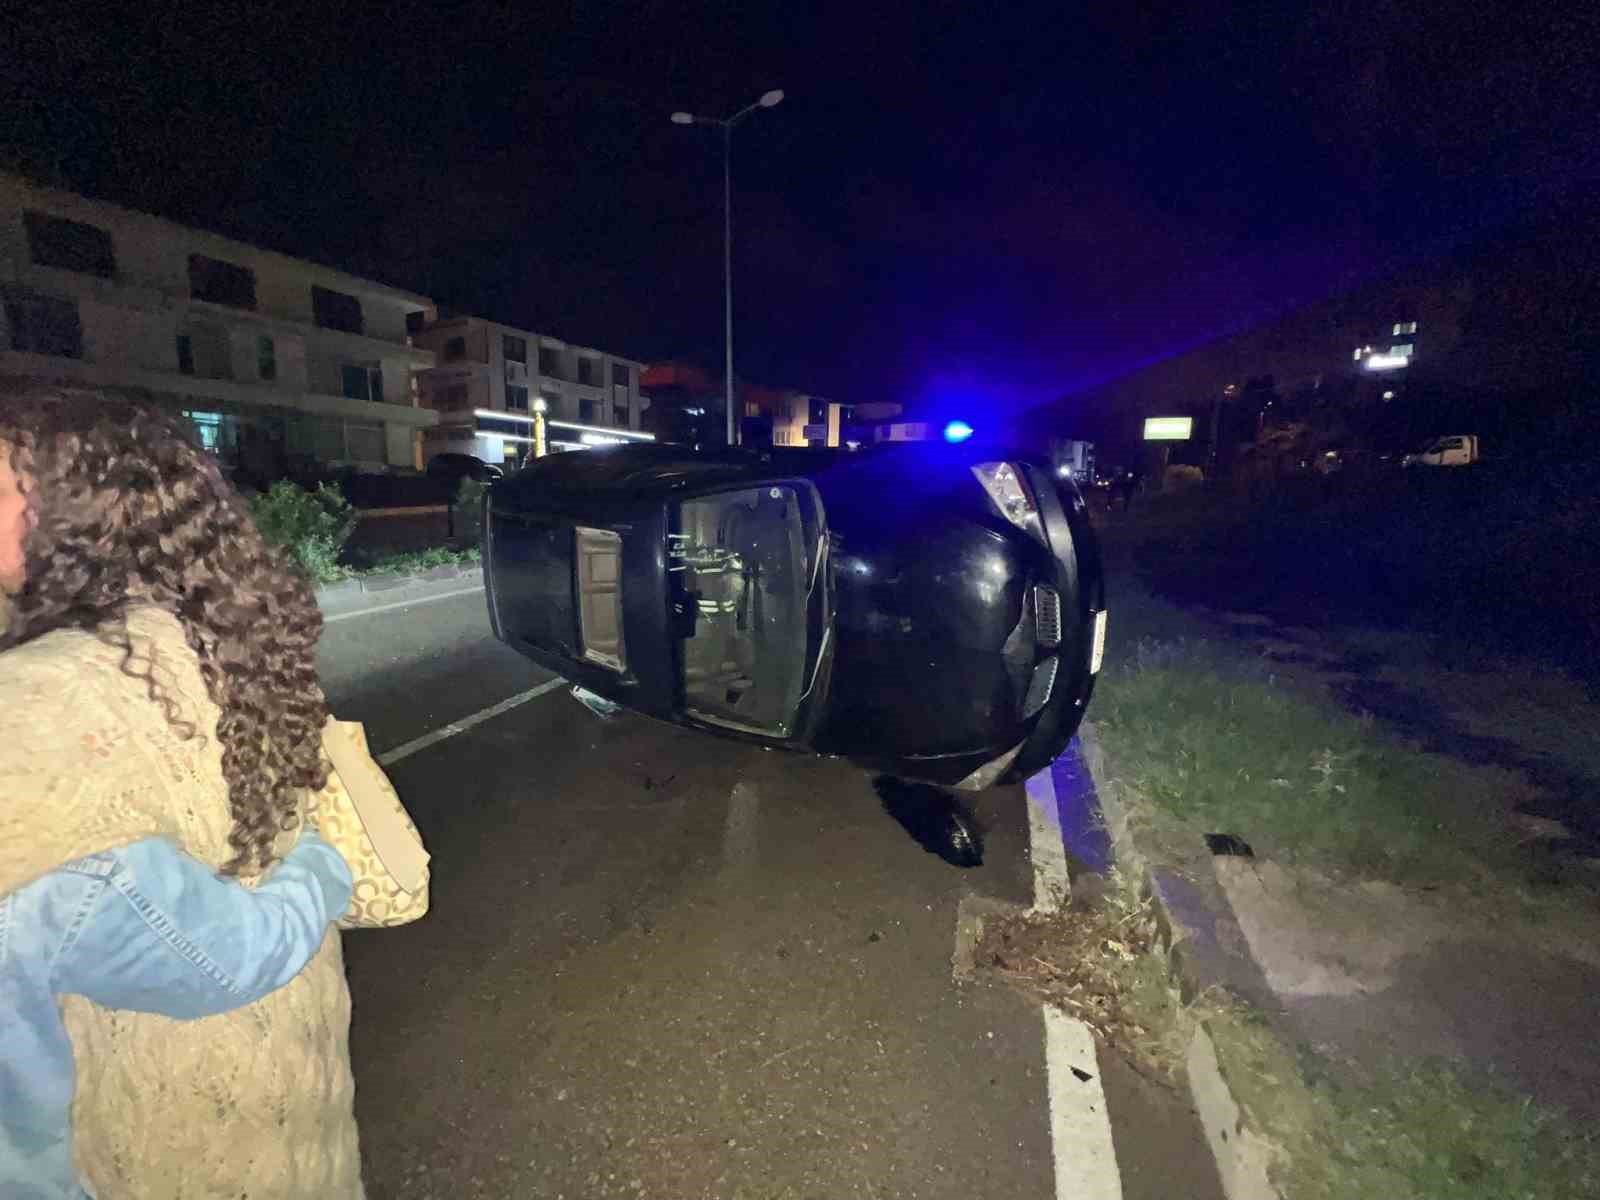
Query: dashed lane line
(398, 604)
(389, 757)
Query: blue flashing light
(957, 431)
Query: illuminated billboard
(1168, 429)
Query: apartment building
(799, 419)
(276, 360)
(487, 377)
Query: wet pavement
(664, 965)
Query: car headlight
(1010, 494)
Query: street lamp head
(771, 99)
(682, 118)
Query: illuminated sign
(1386, 362)
(1168, 429)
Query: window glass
(42, 324)
(365, 442)
(515, 348)
(335, 310)
(738, 566)
(218, 282)
(357, 382)
(70, 245)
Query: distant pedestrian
(1127, 484)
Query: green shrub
(467, 518)
(311, 526)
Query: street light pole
(727, 279)
(768, 100)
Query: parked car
(452, 468)
(933, 612)
(1455, 450)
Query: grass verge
(1417, 1130)
(1213, 740)
(1420, 1130)
(403, 562)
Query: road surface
(662, 965)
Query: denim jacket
(143, 927)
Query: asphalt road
(663, 965)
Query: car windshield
(739, 593)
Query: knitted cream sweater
(257, 1102)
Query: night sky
(951, 209)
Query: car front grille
(1047, 615)
(1043, 683)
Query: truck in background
(1073, 460)
(1452, 450)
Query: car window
(739, 589)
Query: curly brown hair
(130, 512)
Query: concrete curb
(1204, 948)
(375, 591)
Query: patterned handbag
(361, 816)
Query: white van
(1453, 450)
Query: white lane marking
(1051, 884)
(390, 757)
(383, 608)
(1080, 1126)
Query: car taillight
(1011, 495)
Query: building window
(266, 357)
(42, 324)
(363, 383)
(70, 245)
(364, 443)
(455, 349)
(619, 374)
(586, 411)
(619, 416)
(218, 282)
(586, 370)
(516, 398)
(514, 348)
(549, 362)
(1404, 327)
(335, 310)
(207, 430)
(1402, 350)
(552, 401)
(186, 354)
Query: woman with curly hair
(158, 691)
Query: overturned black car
(934, 612)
